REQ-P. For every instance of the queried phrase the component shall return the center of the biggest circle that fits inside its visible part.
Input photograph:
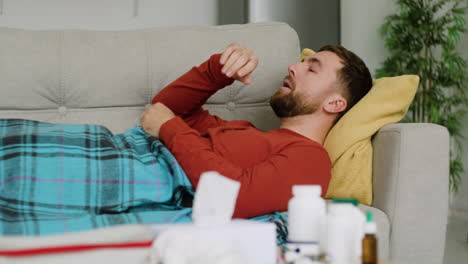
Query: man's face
(307, 86)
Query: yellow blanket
(349, 142)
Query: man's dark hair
(355, 77)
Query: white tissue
(214, 238)
(215, 199)
(194, 246)
(245, 241)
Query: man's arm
(265, 187)
(185, 96)
(189, 92)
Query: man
(313, 96)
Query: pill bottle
(342, 234)
(306, 214)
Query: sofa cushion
(349, 142)
(81, 70)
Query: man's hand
(154, 117)
(239, 62)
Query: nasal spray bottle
(369, 242)
(306, 224)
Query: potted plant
(422, 38)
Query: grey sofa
(108, 77)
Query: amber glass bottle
(369, 242)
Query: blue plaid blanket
(59, 177)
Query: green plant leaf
(422, 38)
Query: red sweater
(267, 164)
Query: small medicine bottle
(306, 213)
(369, 242)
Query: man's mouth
(287, 83)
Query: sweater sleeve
(265, 187)
(186, 95)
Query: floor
(456, 244)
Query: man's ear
(335, 104)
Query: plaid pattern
(56, 178)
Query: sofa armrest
(410, 179)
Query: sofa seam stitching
(61, 70)
(149, 69)
(106, 108)
(238, 105)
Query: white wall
(107, 14)
(360, 21)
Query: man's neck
(312, 126)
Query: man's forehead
(327, 58)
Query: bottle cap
(352, 201)
(299, 190)
(371, 226)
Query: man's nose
(292, 69)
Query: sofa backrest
(107, 77)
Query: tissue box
(256, 240)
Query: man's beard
(291, 105)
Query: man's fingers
(230, 61)
(227, 52)
(238, 64)
(248, 68)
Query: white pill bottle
(344, 234)
(307, 215)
